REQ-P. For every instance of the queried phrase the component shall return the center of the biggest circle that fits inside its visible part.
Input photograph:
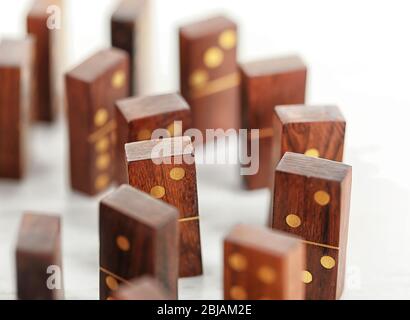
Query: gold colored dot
(101, 117)
(144, 134)
(110, 298)
(322, 198)
(177, 174)
(102, 145)
(314, 153)
(213, 57)
(123, 243)
(158, 192)
(102, 181)
(118, 79)
(198, 79)
(293, 221)
(238, 262)
(267, 275)
(327, 262)
(307, 277)
(111, 283)
(227, 39)
(103, 161)
(174, 129)
(238, 293)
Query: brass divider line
(189, 219)
(115, 276)
(109, 127)
(320, 245)
(215, 86)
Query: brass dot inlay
(110, 298)
(102, 144)
(177, 174)
(314, 153)
(322, 198)
(158, 192)
(327, 262)
(144, 134)
(103, 161)
(293, 221)
(174, 129)
(307, 277)
(238, 293)
(101, 117)
(198, 79)
(238, 262)
(267, 275)
(102, 181)
(213, 57)
(227, 39)
(118, 79)
(123, 243)
(111, 283)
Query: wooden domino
(39, 259)
(124, 35)
(311, 199)
(266, 84)
(138, 117)
(92, 89)
(261, 264)
(16, 97)
(316, 131)
(165, 169)
(138, 236)
(144, 288)
(47, 60)
(209, 76)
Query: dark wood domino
(266, 84)
(144, 288)
(16, 97)
(138, 117)
(138, 236)
(47, 60)
(261, 264)
(311, 199)
(39, 258)
(316, 131)
(209, 76)
(124, 35)
(165, 169)
(92, 89)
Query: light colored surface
(358, 59)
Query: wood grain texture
(138, 117)
(38, 248)
(266, 84)
(144, 288)
(47, 59)
(124, 35)
(138, 236)
(318, 130)
(172, 179)
(92, 89)
(209, 78)
(261, 264)
(311, 199)
(16, 96)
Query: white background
(358, 54)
